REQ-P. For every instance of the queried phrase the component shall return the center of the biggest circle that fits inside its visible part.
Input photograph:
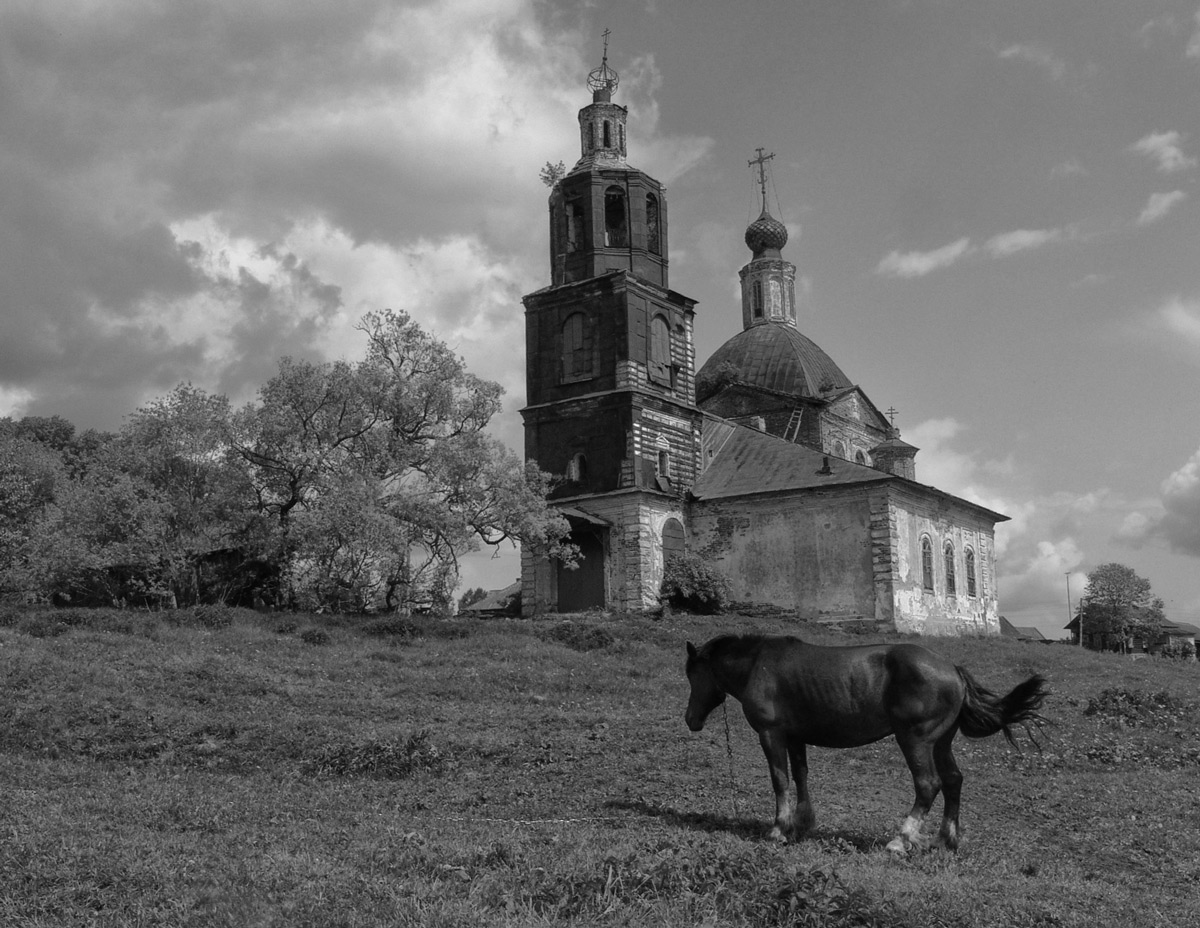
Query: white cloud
(1159, 205)
(1045, 537)
(1165, 24)
(1038, 55)
(1070, 168)
(1175, 519)
(1167, 149)
(13, 400)
(920, 263)
(1009, 243)
(1181, 319)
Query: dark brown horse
(796, 694)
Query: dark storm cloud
(118, 119)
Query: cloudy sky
(993, 206)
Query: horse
(795, 694)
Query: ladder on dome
(793, 426)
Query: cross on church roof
(891, 413)
(603, 79)
(761, 161)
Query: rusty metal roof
(775, 356)
(749, 461)
(746, 461)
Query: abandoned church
(768, 462)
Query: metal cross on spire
(603, 79)
(891, 412)
(761, 162)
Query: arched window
(659, 366)
(664, 463)
(577, 469)
(948, 554)
(616, 229)
(927, 564)
(653, 243)
(860, 458)
(591, 136)
(607, 134)
(574, 222)
(576, 352)
(969, 566)
(756, 299)
(673, 540)
(839, 450)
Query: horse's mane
(731, 647)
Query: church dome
(773, 356)
(766, 235)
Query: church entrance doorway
(583, 588)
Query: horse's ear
(691, 649)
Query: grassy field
(219, 767)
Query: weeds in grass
(396, 629)
(204, 615)
(579, 637)
(1138, 709)
(315, 636)
(394, 759)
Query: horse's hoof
(777, 835)
(898, 846)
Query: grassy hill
(220, 767)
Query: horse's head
(706, 694)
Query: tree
(181, 446)
(377, 476)
(471, 596)
(1117, 605)
(30, 476)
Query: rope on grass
(729, 752)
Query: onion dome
(766, 236)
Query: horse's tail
(984, 713)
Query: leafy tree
(353, 486)
(30, 475)
(377, 476)
(1117, 604)
(105, 538)
(471, 597)
(53, 431)
(181, 446)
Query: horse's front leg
(775, 748)
(803, 817)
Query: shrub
(580, 637)
(392, 628)
(690, 584)
(1179, 649)
(1138, 709)
(314, 636)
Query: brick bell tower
(610, 377)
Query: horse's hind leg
(803, 817)
(775, 748)
(919, 754)
(951, 779)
